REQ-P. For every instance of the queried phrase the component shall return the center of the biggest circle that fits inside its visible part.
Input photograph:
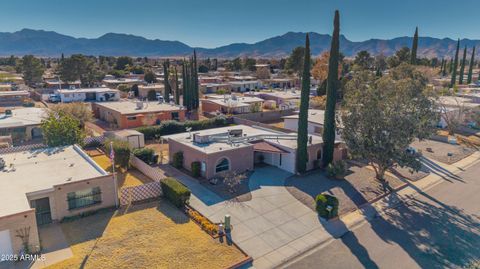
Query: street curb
(355, 224)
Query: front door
(42, 210)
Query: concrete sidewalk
(355, 219)
(273, 226)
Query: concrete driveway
(273, 226)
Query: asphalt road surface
(436, 229)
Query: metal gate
(42, 210)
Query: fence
(237, 120)
(151, 172)
(21, 148)
(139, 193)
(266, 116)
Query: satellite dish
(189, 129)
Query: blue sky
(211, 23)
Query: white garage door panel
(5, 243)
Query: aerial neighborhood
(321, 156)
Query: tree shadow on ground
(432, 233)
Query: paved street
(436, 229)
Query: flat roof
(151, 86)
(130, 107)
(40, 170)
(214, 147)
(314, 116)
(122, 80)
(88, 90)
(23, 117)
(13, 93)
(243, 82)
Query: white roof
(23, 117)
(248, 131)
(122, 80)
(247, 82)
(314, 115)
(40, 170)
(13, 93)
(130, 107)
(88, 90)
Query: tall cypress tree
(302, 137)
(196, 89)
(455, 65)
(177, 87)
(470, 68)
(462, 66)
(413, 55)
(332, 84)
(444, 71)
(441, 66)
(167, 89)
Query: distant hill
(48, 43)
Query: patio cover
(263, 146)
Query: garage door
(5, 244)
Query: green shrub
(195, 166)
(175, 127)
(337, 170)
(145, 154)
(175, 191)
(178, 160)
(121, 150)
(322, 201)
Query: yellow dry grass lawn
(152, 235)
(131, 177)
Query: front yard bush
(177, 161)
(323, 201)
(174, 127)
(121, 150)
(337, 170)
(195, 169)
(145, 154)
(175, 191)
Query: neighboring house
(59, 84)
(231, 104)
(144, 89)
(239, 148)
(89, 95)
(46, 185)
(284, 99)
(214, 87)
(23, 124)
(315, 123)
(130, 114)
(244, 86)
(13, 98)
(115, 82)
(282, 83)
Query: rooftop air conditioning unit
(140, 105)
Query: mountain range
(52, 44)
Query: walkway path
(273, 226)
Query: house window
(319, 154)
(131, 118)
(223, 165)
(84, 198)
(280, 161)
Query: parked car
(54, 98)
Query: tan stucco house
(238, 148)
(46, 185)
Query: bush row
(175, 191)
(173, 127)
(203, 222)
(146, 154)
